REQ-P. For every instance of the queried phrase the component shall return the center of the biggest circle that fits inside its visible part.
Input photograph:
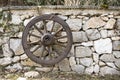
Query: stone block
(94, 22)
(107, 70)
(111, 33)
(116, 38)
(103, 33)
(79, 36)
(103, 46)
(16, 46)
(63, 17)
(116, 45)
(64, 65)
(116, 54)
(107, 58)
(104, 18)
(86, 61)
(118, 24)
(78, 68)
(83, 51)
(31, 74)
(93, 34)
(14, 67)
(96, 69)
(75, 24)
(110, 24)
(5, 61)
(16, 59)
(89, 43)
(89, 70)
(6, 50)
(43, 69)
(72, 61)
(16, 19)
(96, 57)
(21, 78)
(112, 65)
(117, 63)
(101, 63)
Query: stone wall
(96, 40)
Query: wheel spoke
(49, 55)
(49, 49)
(34, 35)
(34, 43)
(52, 26)
(60, 29)
(60, 44)
(36, 48)
(38, 29)
(45, 27)
(61, 37)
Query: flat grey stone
(101, 63)
(118, 24)
(78, 68)
(5, 61)
(96, 57)
(116, 54)
(74, 24)
(94, 22)
(79, 36)
(112, 65)
(16, 59)
(21, 78)
(63, 17)
(116, 45)
(89, 43)
(107, 58)
(93, 34)
(15, 67)
(16, 19)
(16, 46)
(43, 69)
(116, 38)
(105, 18)
(86, 61)
(32, 74)
(118, 32)
(89, 70)
(83, 51)
(23, 57)
(103, 46)
(64, 65)
(110, 24)
(117, 63)
(107, 70)
(6, 50)
(72, 61)
(111, 33)
(103, 33)
(96, 69)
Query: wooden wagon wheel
(47, 39)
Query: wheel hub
(47, 39)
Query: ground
(57, 76)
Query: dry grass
(60, 76)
